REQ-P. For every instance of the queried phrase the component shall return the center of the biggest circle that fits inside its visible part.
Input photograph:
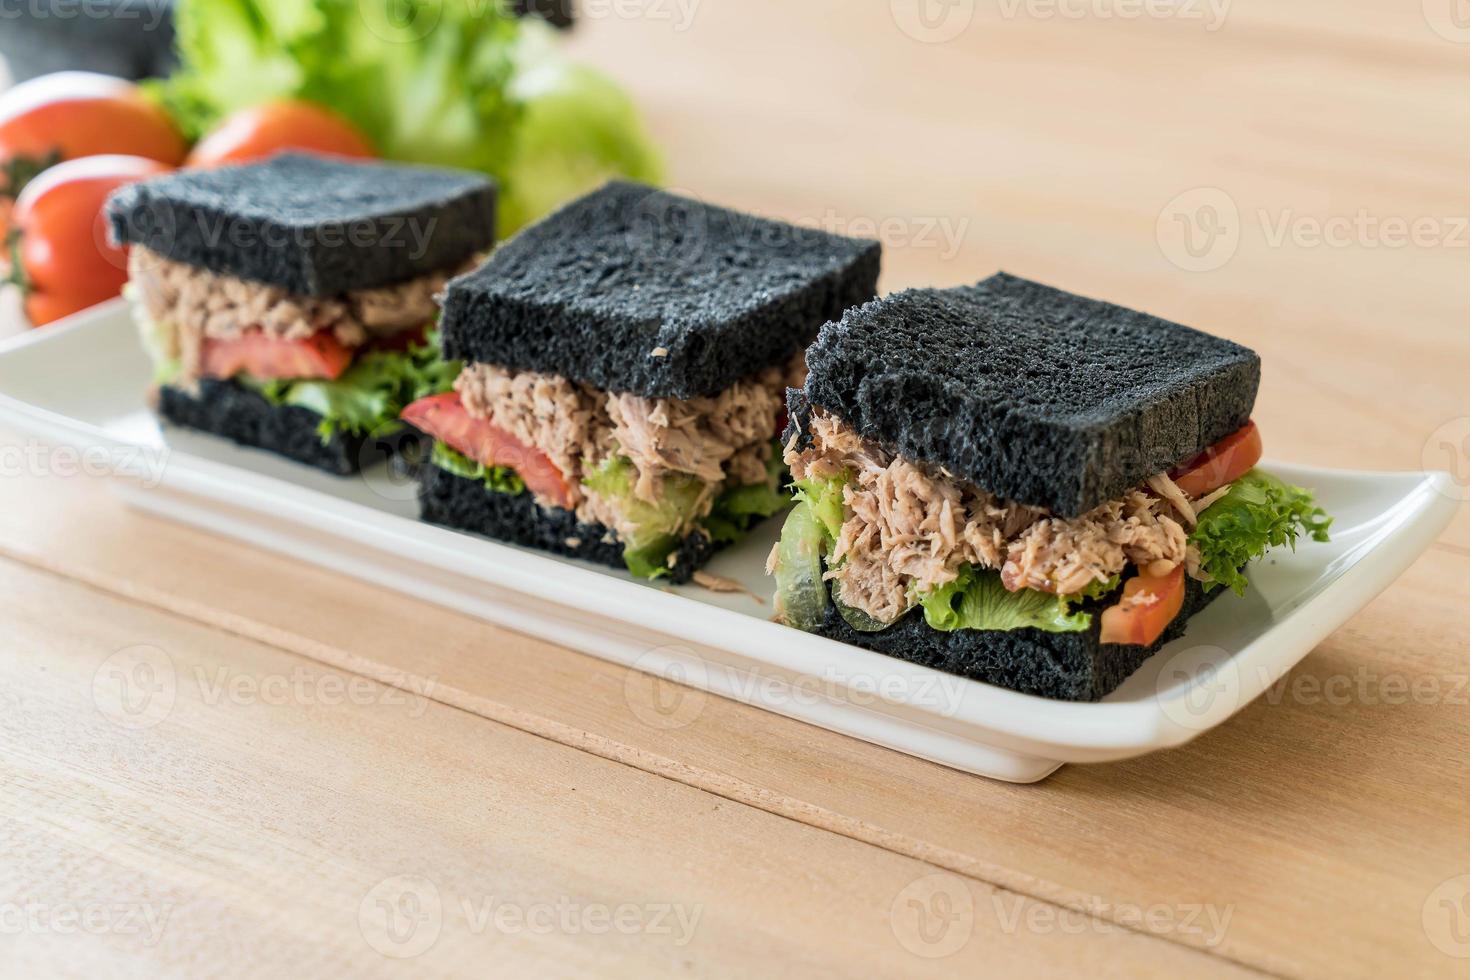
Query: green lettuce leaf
(578, 130)
(739, 508)
(368, 397)
(826, 500)
(978, 601)
(497, 479)
(427, 81)
(657, 529)
(1259, 513)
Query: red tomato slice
(73, 114)
(264, 130)
(1225, 462)
(64, 249)
(1148, 606)
(262, 356)
(444, 417)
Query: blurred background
(1291, 176)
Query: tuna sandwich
(1022, 486)
(625, 367)
(289, 305)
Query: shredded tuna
(721, 584)
(1166, 488)
(911, 526)
(722, 439)
(1068, 555)
(1204, 503)
(185, 304)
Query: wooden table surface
(317, 775)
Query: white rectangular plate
(81, 383)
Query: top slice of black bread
(314, 226)
(1032, 393)
(636, 290)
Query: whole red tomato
(63, 258)
(73, 114)
(264, 130)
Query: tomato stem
(16, 274)
(17, 172)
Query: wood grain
(250, 808)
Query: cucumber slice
(801, 595)
(860, 620)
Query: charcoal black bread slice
(632, 289)
(1035, 394)
(1065, 666)
(230, 410)
(311, 225)
(465, 505)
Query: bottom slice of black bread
(1065, 666)
(245, 417)
(466, 505)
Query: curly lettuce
(977, 600)
(369, 396)
(1259, 513)
(738, 508)
(497, 479)
(427, 81)
(578, 130)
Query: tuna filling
(182, 305)
(667, 453)
(910, 527)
